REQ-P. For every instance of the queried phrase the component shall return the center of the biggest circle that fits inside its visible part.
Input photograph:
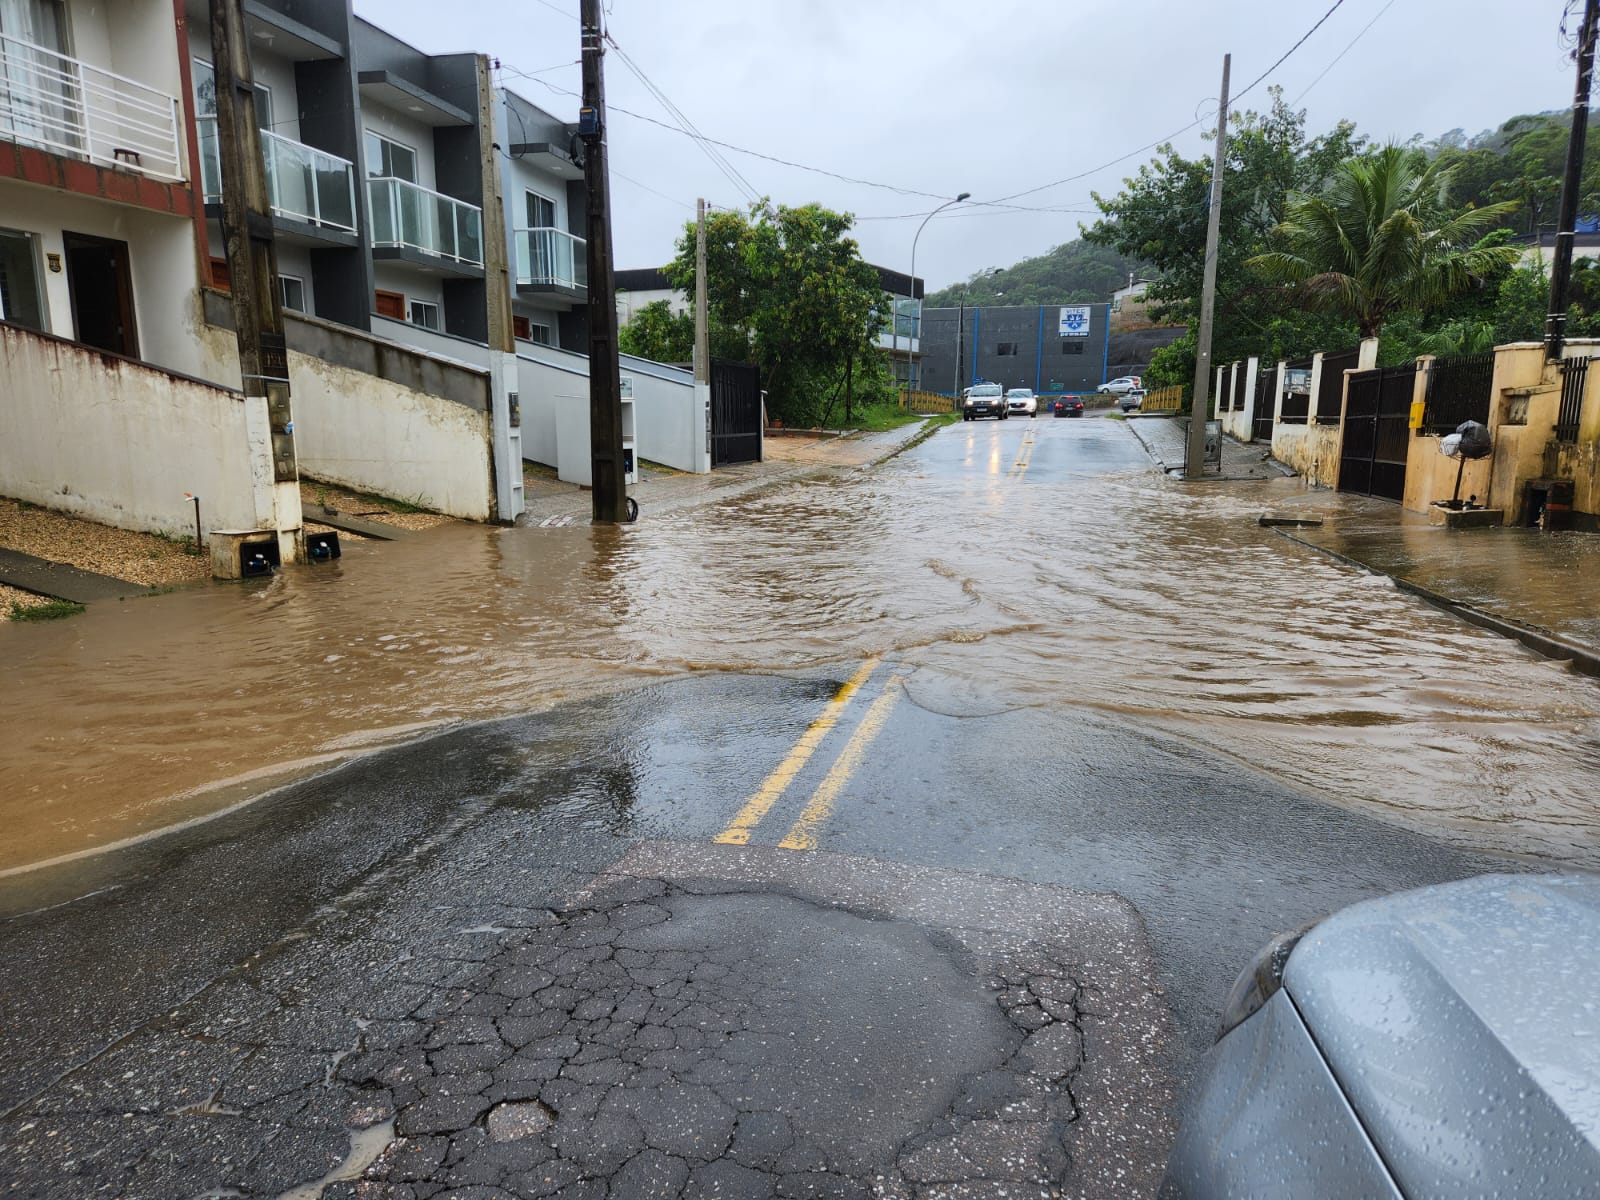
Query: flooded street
(1029, 566)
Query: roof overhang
(409, 100)
(547, 157)
(287, 37)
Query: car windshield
(985, 390)
(1019, 393)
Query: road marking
(1024, 456)
(803, 834)
(773, 786)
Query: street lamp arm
(914, 241)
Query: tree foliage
(788, 290)
(1381, 237)
(658, 333)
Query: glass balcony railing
(69, 107)
(405, 214)
(303, 183)
(551, 258)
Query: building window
(389, 304)
(21, 298)
(526, 330)
(389, 160)
(293, 292)
(425, 314)
(1008, 349)
(1072, 345)
(220, 278)
(541, 211)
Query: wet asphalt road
(568, 955)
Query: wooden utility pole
(605, 374)
(505, 415)
(702, 327)
(1555, 325)
(1200, 408)
(253, 271)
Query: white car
(1022, 402)
(1122, 386)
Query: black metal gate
(1377, 434)
(1266, 403)
(735, 413)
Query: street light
(920, 228)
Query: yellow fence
(927, 402)
(1167, 399)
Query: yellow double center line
(1024, 456)
(803, 834)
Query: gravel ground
(121, 553)
(359, 504)
(11, 595)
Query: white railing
(303, 183)
(406, 214)
(552, 257)
(70, 107)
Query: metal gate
(735, 413)
(1377, 432)
(1266, 405)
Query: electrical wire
(1342, 53)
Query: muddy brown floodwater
(1123, 593)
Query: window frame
(383, 140)
(1008, 349)
(283, 293)
(528, 194)
(413, 304)
(41, 294)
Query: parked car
(984, 400)
(1022, 402)
(1118, 387)
(1129, 401)
(1069, 406)
(1439, 1042)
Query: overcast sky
(941, 97)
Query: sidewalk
(1166, 438)
(1543, 589)
(551, 502)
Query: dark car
(984, 400)
(1069, 406)
(1440, 1042)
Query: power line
(1342, 53)
(1303, 38)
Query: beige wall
(119, 442)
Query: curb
(1541, 641)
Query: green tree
(788, 286)
(656, 332)
(1076, 272)
(1381, 238)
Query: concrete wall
(380, 417)
(120, 442)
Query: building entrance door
(102, 293)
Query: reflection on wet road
(1024, 565)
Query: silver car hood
(1463, 1023)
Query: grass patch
(50, 610)
(880, 418)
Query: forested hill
(1074, 273)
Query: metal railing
(69, 107)
(1330, 391)
(1458, 389)
(405, 214)
(1574, 373)
(1295, 408)
(303, 183)
(552, 258)
(1167, 399)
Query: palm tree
(1381, 238)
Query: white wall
(118, 442)
(412, 283)
(161, 258)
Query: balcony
(428, 229)
(308, 187)
(552, 262)
(71, 108)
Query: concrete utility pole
(605, 374)
(1200, 408)
(1555, 326)
(506, 409)
(702, 327)
(253, 270)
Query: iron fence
(1240, 370)
(1266, 404)
(1574, 372)
(1330, 389)
(1296, 406)
(1459, 389)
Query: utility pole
(505, 417)
(253, 270)
(961, 325)
(1555, 326)
(702, 327)
(605, 375)
(1200, 408)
